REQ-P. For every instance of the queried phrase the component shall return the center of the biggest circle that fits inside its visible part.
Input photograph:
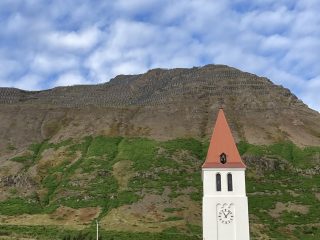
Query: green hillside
(145, 189)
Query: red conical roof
(222, 142)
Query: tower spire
(224, 204)
(222, 152)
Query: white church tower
(225, 204)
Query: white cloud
(240, 58)
(304, 51)
(126, 48)
(131, 67)
(7, 67)
(70, 79)
(15, 23)
(75, 40)
(276, 43)
(46, 63)
(310, 93)
(267, 22)
(136, 6)
(133, 47)
(131, 34)
(284, 78)
(29, 82)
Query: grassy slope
(173, 165)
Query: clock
(225, 216)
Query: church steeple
(222, 152)
(224, 204)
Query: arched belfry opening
(230, 184)
(218, 182)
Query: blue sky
(44, 44)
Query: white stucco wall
(213, 229)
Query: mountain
(129, 153)
(160, 104)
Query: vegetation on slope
(282, 186)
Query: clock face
(225, 215)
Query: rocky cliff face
(160, 104)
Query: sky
(48, 43)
